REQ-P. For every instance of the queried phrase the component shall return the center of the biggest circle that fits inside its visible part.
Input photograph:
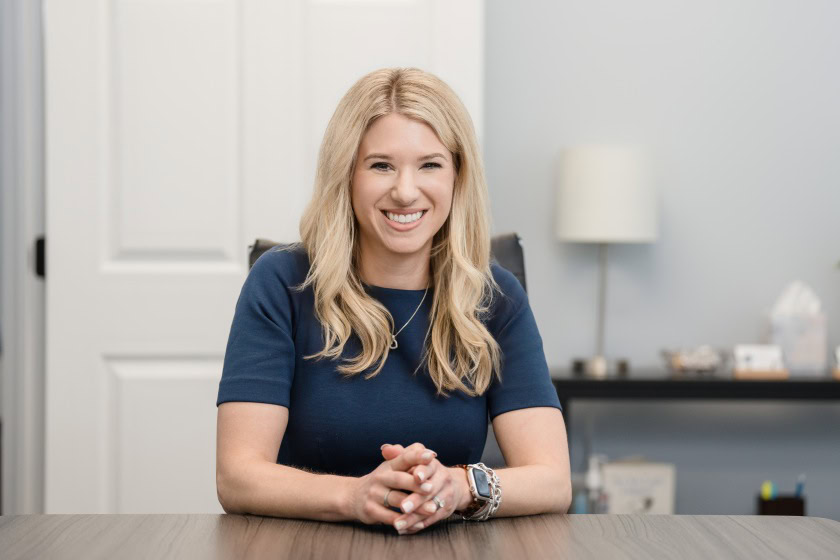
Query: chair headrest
(506, 250)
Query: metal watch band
(482, 508)
(495, 492)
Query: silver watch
(486, 490)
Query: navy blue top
(337, 425)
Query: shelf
(656, 385)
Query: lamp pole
(602, 297)
(597, 365)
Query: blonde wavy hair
(460, 352)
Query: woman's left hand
(449, 485)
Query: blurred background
(150, 142)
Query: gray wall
(738, 102)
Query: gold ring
(385, 501)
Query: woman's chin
(406, 246)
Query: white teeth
(404, 218)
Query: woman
(363, 361)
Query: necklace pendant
(394, 344)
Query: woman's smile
(402, 221)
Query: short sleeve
(259, 361)
(525, 379)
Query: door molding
(23, 294)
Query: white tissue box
(804, 342)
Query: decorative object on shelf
(759, 361)
(605, 194)
(579, 368)
(622, 368)
(837, 363)
(799, 326)
(700, 361)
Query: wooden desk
(540, 536)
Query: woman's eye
(382, 166)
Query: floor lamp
(605, 195)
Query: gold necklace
(394, 344)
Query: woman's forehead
(397, 136)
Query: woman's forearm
(528, 490)
(264, 488)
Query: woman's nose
(405, 190)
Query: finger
(422, 473)
(416, 446)
(398, 481)
(387, 448)
(391, 451)
(376, 509)
(421, 500)
(423, 518)
(446, 496)
(379, 513)
(395, 497)
(440, 514)
(412, 456)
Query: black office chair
(506, 250)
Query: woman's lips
(403, 227)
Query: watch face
(481, 483)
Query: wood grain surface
(541, 536)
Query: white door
(176, 133)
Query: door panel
(177, 133)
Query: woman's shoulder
(287, 263)
(508, 283)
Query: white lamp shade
(605, 195)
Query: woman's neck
(389, 270)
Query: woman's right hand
(368, 492)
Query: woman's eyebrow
(432, 156)
(377, 156)
(386, 156)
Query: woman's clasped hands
(414, 481)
